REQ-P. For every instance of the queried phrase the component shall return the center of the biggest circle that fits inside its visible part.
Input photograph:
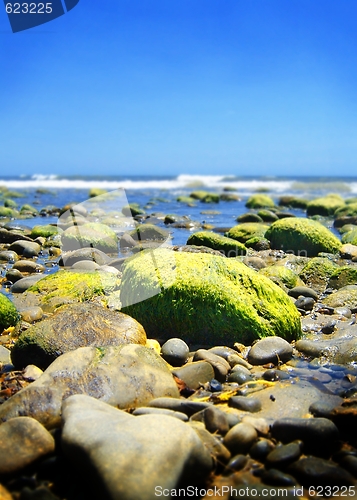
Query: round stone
(175, 351)
(261, 449)
(245, 404)
(283, 455)
(240, 438)
(270, 350)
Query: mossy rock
(28, 209)
(69, 286)
(8, 313)
(326, 205)
(317, 272)
(349, 210)
(8, 202)
(132, 210)
(230, 247)
(267, 215)
(249, 217)
(71, 327)
(301, 236)
(93, 192)
(346, 296)
(350, 237)
(260, 201)
(14, 194)
(186, 199)
(7, 212)
(205, 196)
(247, 230)
(293, 202)
(282, 275)
(346, 228)
(205, 299)
(345, 275)
(149, 232)
(91, 234)
(348, 201)
(229, 197)
(45, 231)
(258, 243)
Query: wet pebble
(283, 455)
(240, 377)
(237, 463)
(23, 284)
(175, 351)
(25, 248)
(270, 350)
(215, 386)
(243, 403)
(305, 303)
(14, 275)
(261, 449)
(313, 471)
(276, 477)
(240, 438)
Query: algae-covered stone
(317, 272)
(132, 210)
(71, 327)
(93, 235)
(346, 296)
(205, 196)
(293, 202)
(267, 215)
(8, 313)
(260, 201)
(70, 286)
(125, 376)
(345, 275)
(230, 247)
(45, 231)
(93, 192)
(8, 212)
(205, 299)
(302, 236)
(326, 205)
(350, 237)
(247, 230)
(149, 232)
(348, 210)
(28, 209)
(186, 199)
(282, 275)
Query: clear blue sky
(264, 87)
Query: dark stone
(316, 472)
(261, 449)
(175, 351)
(276, 477)
(283, 455)
(270, 350)
(303, 290)
(252, 405)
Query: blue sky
(265, 87)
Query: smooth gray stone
(220, 366)
(181, 405)
(270, 350)
(14, 275)
(146, 410)
(240, 438)
(312, 471)
(28, 266)
(303, 290)
(195, 374)
(86, 264)
(70, 258)
(127, 457)
(7, 256)
(22, 441)
(321, 409)
(25, 248)
(319, 435)
(175, 352)
(283, 455)
(239, 377)
(244, 403)
(24, 283)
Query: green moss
(260, 201)
(45, 231)
(186, 199)
(74, 286)
(346, 211)
(8, 212)
(267, 215)
(230, 247)
(247, 230)
(149, 232)
(229, 197)
(28, 209)
(347, 296)
(302, 236)
(205, 299)
(8, 313)
(281, 275)
(205, 196)
(345, 275)
(350, 237)
(132, 210)
(10, 203)
(317, 272)
(96, 192)
(93, 235)
(326, 205)
(293, 202)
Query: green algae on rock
(326, 205)
(69, 286)
(343, 276)
(205, 299)
(281, 275)
(45, 231)
(350, 237)
(260, 201)
(91, 234)
(205, 196)
(302, 236)
(8, 313)
(348, 210)
(346, 296)
(229, 246)
(73, 326)
(149, 232)
(247, 230)
(317, 272)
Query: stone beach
(132, 367)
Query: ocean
(158, 194)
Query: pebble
(240, 438)
(261, 449)
(195, 374)
(23, 284)
(8, 256)
(14, 275)
(175, 352)
(261, 425)
(28, 266)
(89, 265)
(243, 403)
(32, 373)
(283, 455)
(220, 366)
(303, 290)
(313, 471)
(239, 377)
(215, 420)
(321, 409)
(25, 248)
(319, 435)
(215, 386)
(305, 303)
(270, 350)
(31, 314)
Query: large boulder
(302, 236)
(73, 326)
(204, 299)
(124, 376)
(8, 313)
(326, 205)
(228, 246)
(128, 457)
